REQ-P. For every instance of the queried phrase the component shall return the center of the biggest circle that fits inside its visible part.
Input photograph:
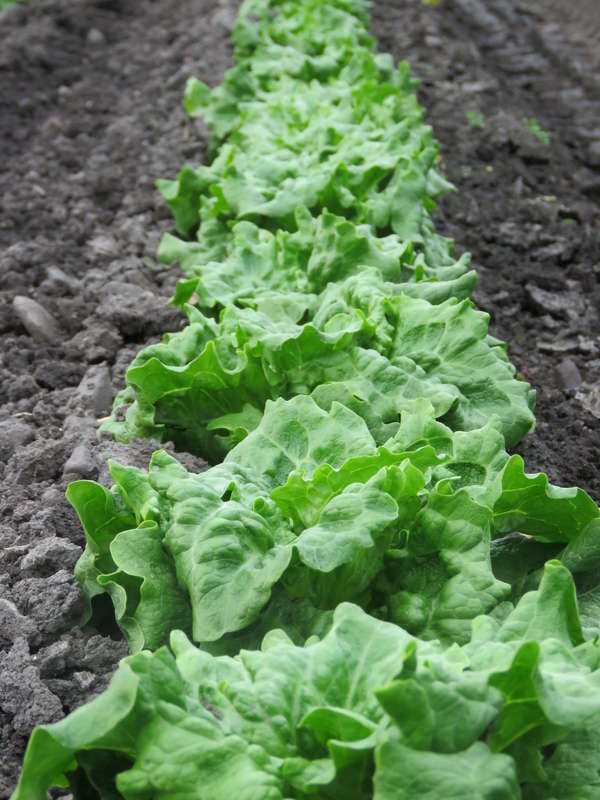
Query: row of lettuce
(383, 603)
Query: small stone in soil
(95, 36)
(95, 392)
(38, 322)
(562, 250)
(567, 374)
(563, 304)
(81, 463)
(562, 347)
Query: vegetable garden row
(365, 595)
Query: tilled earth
(528, 211)
(91, 115)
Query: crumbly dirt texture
(528, 211)
(91, 114)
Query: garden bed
(95, 116)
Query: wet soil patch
(91, 114)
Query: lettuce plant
(322, 250)
(361, 344)
(289, 217)
(365, 711)
(308, 511)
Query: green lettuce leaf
(476, 773)
(443, 579)
(323, 250)
(529, 504)
(205, 387)
(307, 502)
(366, 711)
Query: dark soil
(529, 212)
(91, 114)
